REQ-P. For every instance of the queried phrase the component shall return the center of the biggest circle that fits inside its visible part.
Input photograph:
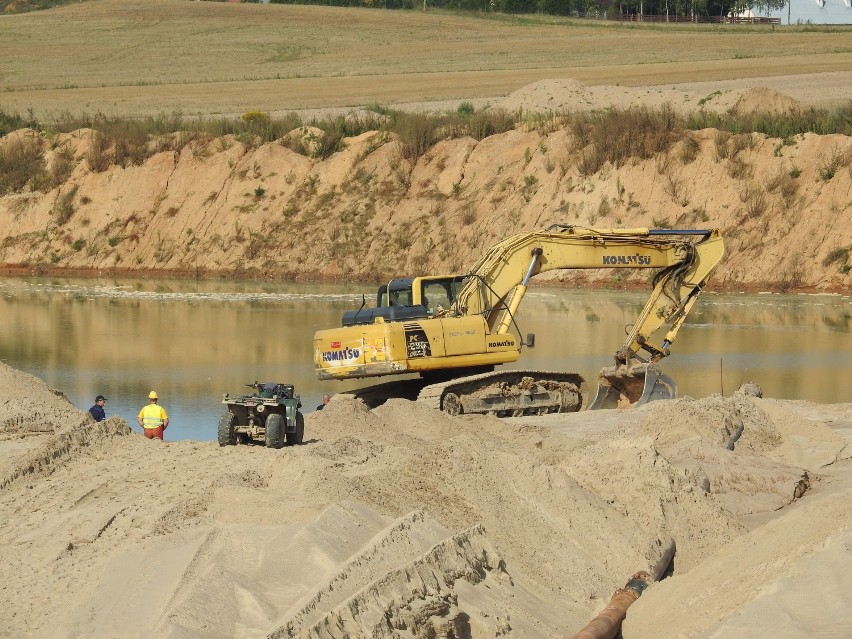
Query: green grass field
(144, 57)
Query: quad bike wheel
(274, 431)
(296, 437)
(227, 436)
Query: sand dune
(401, 522)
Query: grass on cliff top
(613, 135)
(145, 58)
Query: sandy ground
(401, 522)
(818, 90)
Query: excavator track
(508, 394)
(527, 392)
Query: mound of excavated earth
(402, 522)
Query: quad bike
(269, 415)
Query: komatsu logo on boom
(614, 260)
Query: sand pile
(568, 95)
(401, 522)
(763, 100)
(40, 427)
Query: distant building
(814, 12)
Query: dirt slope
(217, 206)
(401, 522)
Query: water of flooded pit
(192, 341)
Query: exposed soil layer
(217, 207)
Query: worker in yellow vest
(153, 418)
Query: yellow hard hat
(152, 395)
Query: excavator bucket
(629, 385)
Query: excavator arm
(686, 258)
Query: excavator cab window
(440, 294)
(400, 297)
(398, 293)
(437, 296)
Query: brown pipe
(608, 622)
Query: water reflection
(192, 341)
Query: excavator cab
(431, 292)
(408, 298)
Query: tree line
(580, 8)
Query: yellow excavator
(453, 330)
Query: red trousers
(152, 433)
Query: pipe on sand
(608, 622)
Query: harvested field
(144, 58)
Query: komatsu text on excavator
(453, 330)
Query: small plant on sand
(403, 239)
(21, 163)
(290, 210)
(708, 97)
(836, 255)
(675, 187)
(689, 149)
(468, 216)
(754, 201)
(604, 208)
(98, 155)
(833, 162)
(738, 169)
(792, 274)
(417, 133)
(63, 208)
(61, 166)
(530, 187)
(465, 108)
(720, 143)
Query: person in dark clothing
(325, 400)
(97, 410)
